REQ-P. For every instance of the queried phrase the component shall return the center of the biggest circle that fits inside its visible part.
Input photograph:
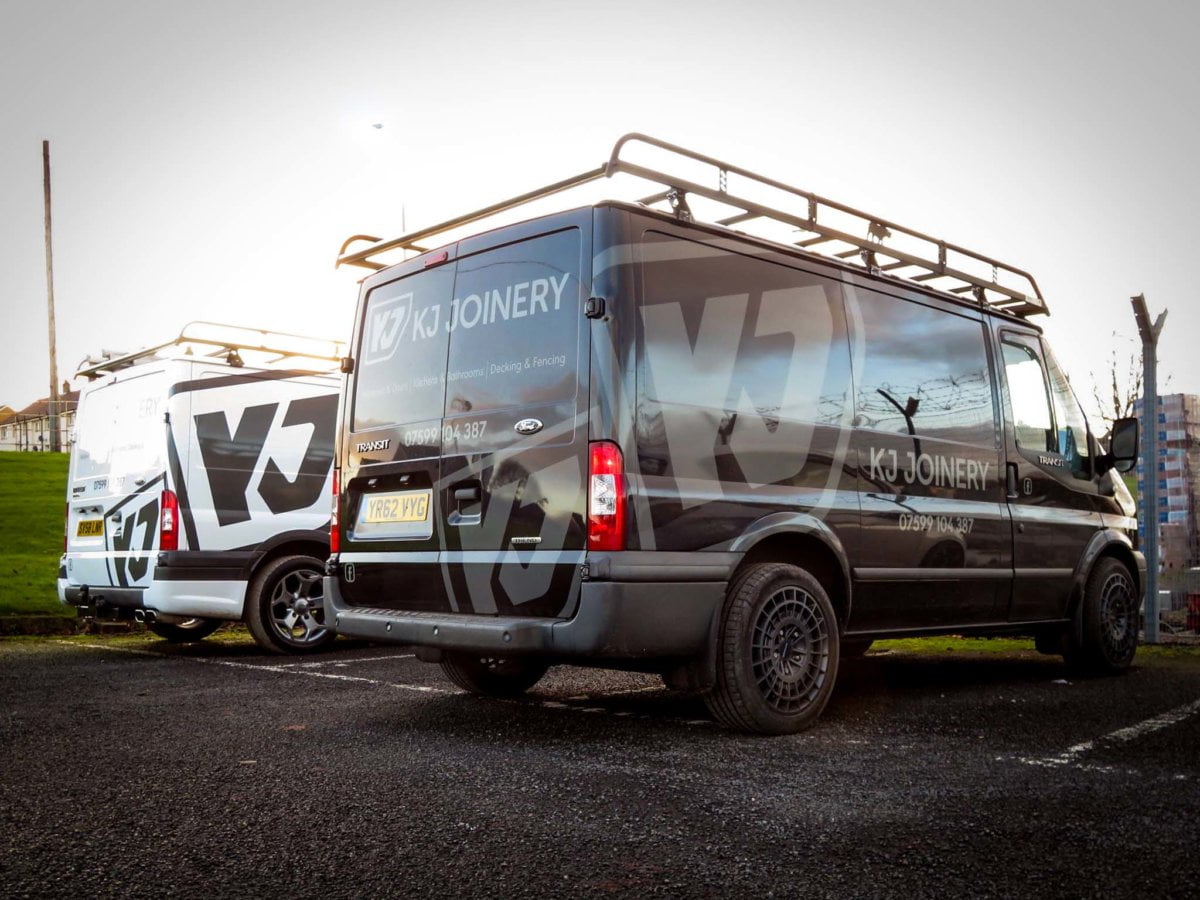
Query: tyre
(1109, 613)
(493, 676)
(186, 631)
(854, 649)
(777, 651)
(285, 606)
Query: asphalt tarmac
(136, 768)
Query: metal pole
(55, 442)
(1149, 333)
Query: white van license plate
(90, 528)
(407, 506)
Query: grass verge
(33, 490)
(1008, 645)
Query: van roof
(766, 210)
(226, 344)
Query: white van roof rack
(797, 218)
(213, 340)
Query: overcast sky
(209, 158)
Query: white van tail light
(606, 497)
(168, 522)
(334, 540)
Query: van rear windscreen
(496, 329)
(120, 429)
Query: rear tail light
(606, 497)
(66, 525)
(335, 541)
(168, 522)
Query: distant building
(1177, 471)
(29, 429)
(6, 428)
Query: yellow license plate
(410, 506)
(90, 528)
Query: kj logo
(387, 321)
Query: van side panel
(936, 547)
(255, 455)
(744, 387)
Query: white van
(199, 484)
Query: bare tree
(1120, 387)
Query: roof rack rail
(227, 342)
(876, 245)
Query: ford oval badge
(529, 426)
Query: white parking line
(343, 662)
(642, 690)
(290, 669)
(209, 661)
(1072, 756)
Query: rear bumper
(209, 599)
(615, 620)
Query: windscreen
(120, 430)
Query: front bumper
(614, 620)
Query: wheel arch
(1106, 543)
(287, 543)
(801, 539)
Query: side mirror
(1123, 444)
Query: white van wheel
(285, 606)
(186, 631)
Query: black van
(619, 436)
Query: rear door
(391, 451)
(514, 434)
(467, 450)
(117, 476)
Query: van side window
(1029, 397)
(924, 372)
(730, 332)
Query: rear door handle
(1011, 473)
(464, 496)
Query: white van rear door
(117, 476)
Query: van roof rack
(213, 340)
(876, 245)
